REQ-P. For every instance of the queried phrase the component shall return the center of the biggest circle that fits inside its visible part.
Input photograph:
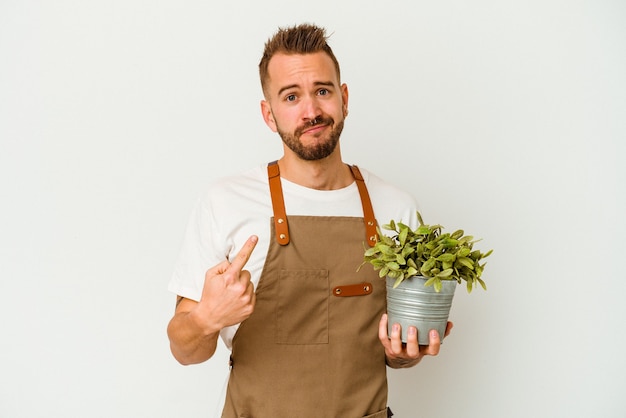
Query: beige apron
(310, 349)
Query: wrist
(202, 323)
(402, 363)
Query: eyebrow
(317, 83)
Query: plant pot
(413, 304)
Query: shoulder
(249, 186)
(254, 177)
(233, 204)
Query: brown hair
(300, 39)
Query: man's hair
(299, 39)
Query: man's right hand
(227, 299)
(228, 294)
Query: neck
(329, 173)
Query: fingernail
(412, 330)
(396, 327)
(433, 333)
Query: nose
(310, 109)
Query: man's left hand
(399, 354)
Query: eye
(323, 92)
(290, 98)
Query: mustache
(320, 120)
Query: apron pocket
(302, 307)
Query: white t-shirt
(234, 208)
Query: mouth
(317, 125)
(314, 129)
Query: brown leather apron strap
(368, 211)
(278, 204)
(280, 215)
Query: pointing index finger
(243, 255)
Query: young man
(308, 332)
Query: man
(308, 332)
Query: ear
(344, 99)
(268, 117)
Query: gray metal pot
(412, 303)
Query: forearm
(190, 343)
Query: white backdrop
(506, 118)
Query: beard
(319, 150)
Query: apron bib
(311, 348)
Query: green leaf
(447, 257)
(428, 265)
(403, 226)
(445, 274)
(466, 239)
(484, 286)
(389, 257)
(386, 249)
(402, 236)
(377, 264)
(479, 271)
(422, 230)
(465, 262)
(430, 281)
(386, 241)
(449, 243)
(398, 281)
(393, 265)
(437, 285)
(407, 250)
(438, 250)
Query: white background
(506, 118)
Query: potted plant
(422, 268)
